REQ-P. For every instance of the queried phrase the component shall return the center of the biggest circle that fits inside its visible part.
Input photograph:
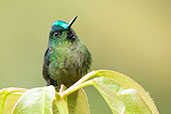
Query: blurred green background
(129, 36)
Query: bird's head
(61, 31)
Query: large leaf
(78, 103)
(8, 98)
(128, 83)
(36, 101)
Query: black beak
(71, 22)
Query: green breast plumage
(69, 61)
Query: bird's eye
(56, 34)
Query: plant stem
(78, 84)
(83, 79)
(75, 88)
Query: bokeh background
(129, 36)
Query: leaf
(36, 101)
(119, 100)
(128, 83)
(78, 103)
(8, 98)
(134, 103)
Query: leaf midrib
(43, 104)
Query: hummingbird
(67, 58)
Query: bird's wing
(46, 64)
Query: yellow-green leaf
(8, 98)
(128, 83)
(36, 101)
(78, 103)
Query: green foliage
(78, 103)
(36, 101)
(8, 98)
(122, 94)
